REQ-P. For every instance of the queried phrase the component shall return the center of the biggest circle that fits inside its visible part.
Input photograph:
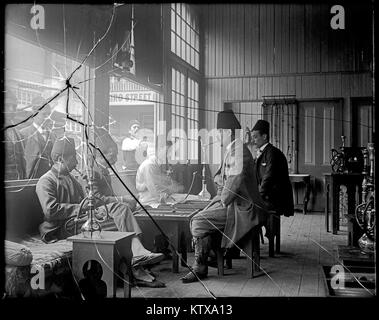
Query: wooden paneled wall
(256, 50)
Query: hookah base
(366, 244)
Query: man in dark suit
(38, 141)
(272, 172)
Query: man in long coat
(38, 141)
(272, 172)
(237, 207)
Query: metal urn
(365, 212)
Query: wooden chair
(251, 246)
(274, 234)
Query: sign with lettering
(121, 98)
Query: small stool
(273, 225)
(251, 246)
(112, 250)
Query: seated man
(237, 207)
(153, 185)
(60, 195)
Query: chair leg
(220, 262)
(249, 249)
(271, 236)
(228, 262)
(256, 252)
(277, 235)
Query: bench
(23, 217)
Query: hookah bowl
(365, 216)
(92, 227)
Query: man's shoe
(148, 259)
(154, 284)
(190, 277)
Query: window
(32, 72)
(185, 115)
(185, 33)
(193, 118)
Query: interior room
(189, 150)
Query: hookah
(91, 228)
(204, 194)
(337, 158)
(365, 212)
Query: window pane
(172, 20)
(172, 41)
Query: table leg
(327, 205)
(175, 240)
(306, 195)
(335, 205)
(183, 245)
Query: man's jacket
(273, 179)
(238, 190)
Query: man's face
(133, 129)
(111, 155)
(69, 163)
(258, 139)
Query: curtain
(282, 116)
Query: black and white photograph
(173, 151)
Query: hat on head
(133, 122)
(263, 126)
(104, 140)
(63, 147)
(227, 120)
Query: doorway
(320, 130)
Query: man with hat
(272, 172)
(236, 208)
(130, 145)
(14, 151)
(60, 195)
(38, 140)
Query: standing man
(38, 140)
(13, 147)
(130, 146)
(237, 207)
(272, 172)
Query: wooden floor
(296, 271)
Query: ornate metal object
(337, 158)
(365, 212)
(204, 194)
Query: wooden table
(332, 183)
(174, 221)
(306, 180)
(112, 250)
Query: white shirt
(260, 150)
(130, 144)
